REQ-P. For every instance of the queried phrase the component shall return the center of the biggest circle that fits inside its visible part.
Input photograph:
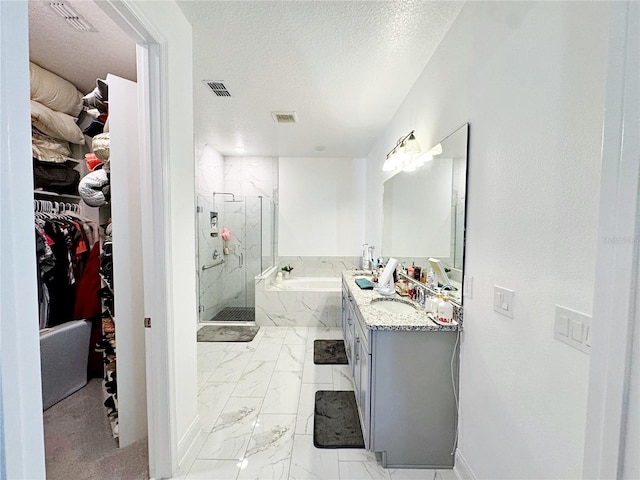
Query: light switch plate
(503, 301)
(467, 287)
(573, 328)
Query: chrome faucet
(215, 253)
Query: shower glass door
(230, 254)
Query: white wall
(321, 206)
(530, 79)
(21, 403)
(169, 20)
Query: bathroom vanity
(405, 369)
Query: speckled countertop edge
(378, 320)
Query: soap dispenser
(445, 311)
(434, 301)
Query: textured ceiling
(79, 57)
(344, 67)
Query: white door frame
(22, 428)
(21, 402)
(617, 267)
(151, 54)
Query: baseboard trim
(462, 469)
(188, 441)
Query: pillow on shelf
(55, 124)
(54, 92)
(49, 149)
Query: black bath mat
(224, 333)
(236, 314)
(335, 420)
(329, 352)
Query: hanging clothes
(63, 243)
(88, 303)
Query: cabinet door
(362, 380)
(355, 371)
(345, 315)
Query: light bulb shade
(391, 163)
(388, 166)
(411, 145)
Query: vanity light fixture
(403, 154)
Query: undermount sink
(389, 305)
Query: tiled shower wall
(229, 284)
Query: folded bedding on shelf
(49, 149)
(56, 177)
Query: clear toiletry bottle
(431, 279)
(434, 301)
(445, 311)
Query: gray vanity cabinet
(359, 357)
(404, 389)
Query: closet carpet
(79, 444)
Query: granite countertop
(379, 320)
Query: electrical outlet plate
(573, 328)
(503, 301)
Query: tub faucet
(215, 253)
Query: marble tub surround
(293, 306)
(280, 306)
(378, 320)
(319, 266)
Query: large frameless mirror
(424, 210)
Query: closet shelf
(47, 194)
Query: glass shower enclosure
(235, 244)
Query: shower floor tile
(235, 314)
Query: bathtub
(299, 301)
(313, 284)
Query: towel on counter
(364, 284)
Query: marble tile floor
(256, 403)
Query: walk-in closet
(84, 103)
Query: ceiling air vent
(284, 117)
(218, 88)
(72, 17)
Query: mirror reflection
(424, 210)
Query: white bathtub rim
(295, 284)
